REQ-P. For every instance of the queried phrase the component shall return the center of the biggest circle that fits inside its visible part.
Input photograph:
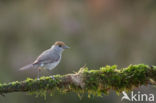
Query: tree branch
(93, 82)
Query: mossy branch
(93, 82)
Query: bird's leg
(50, 75)
(38, 76)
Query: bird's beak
(66, 47)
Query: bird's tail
(29, 66)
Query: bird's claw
(52, 77)
(38, 78)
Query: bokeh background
(99, 32)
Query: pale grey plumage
(48, 56)
(48, 59)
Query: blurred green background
(99, 32)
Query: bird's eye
(60, 45)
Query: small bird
(48, 59)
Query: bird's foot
(38, 78)
(52, 77)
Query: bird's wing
(47, 57)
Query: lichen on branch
(94, 82)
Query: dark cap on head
(61, 44)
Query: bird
(49, 58)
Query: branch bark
(93, 82)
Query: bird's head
(60, 46)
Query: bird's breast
(51, 66)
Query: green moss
(14, 83)
(96, 82)
(110, 78)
